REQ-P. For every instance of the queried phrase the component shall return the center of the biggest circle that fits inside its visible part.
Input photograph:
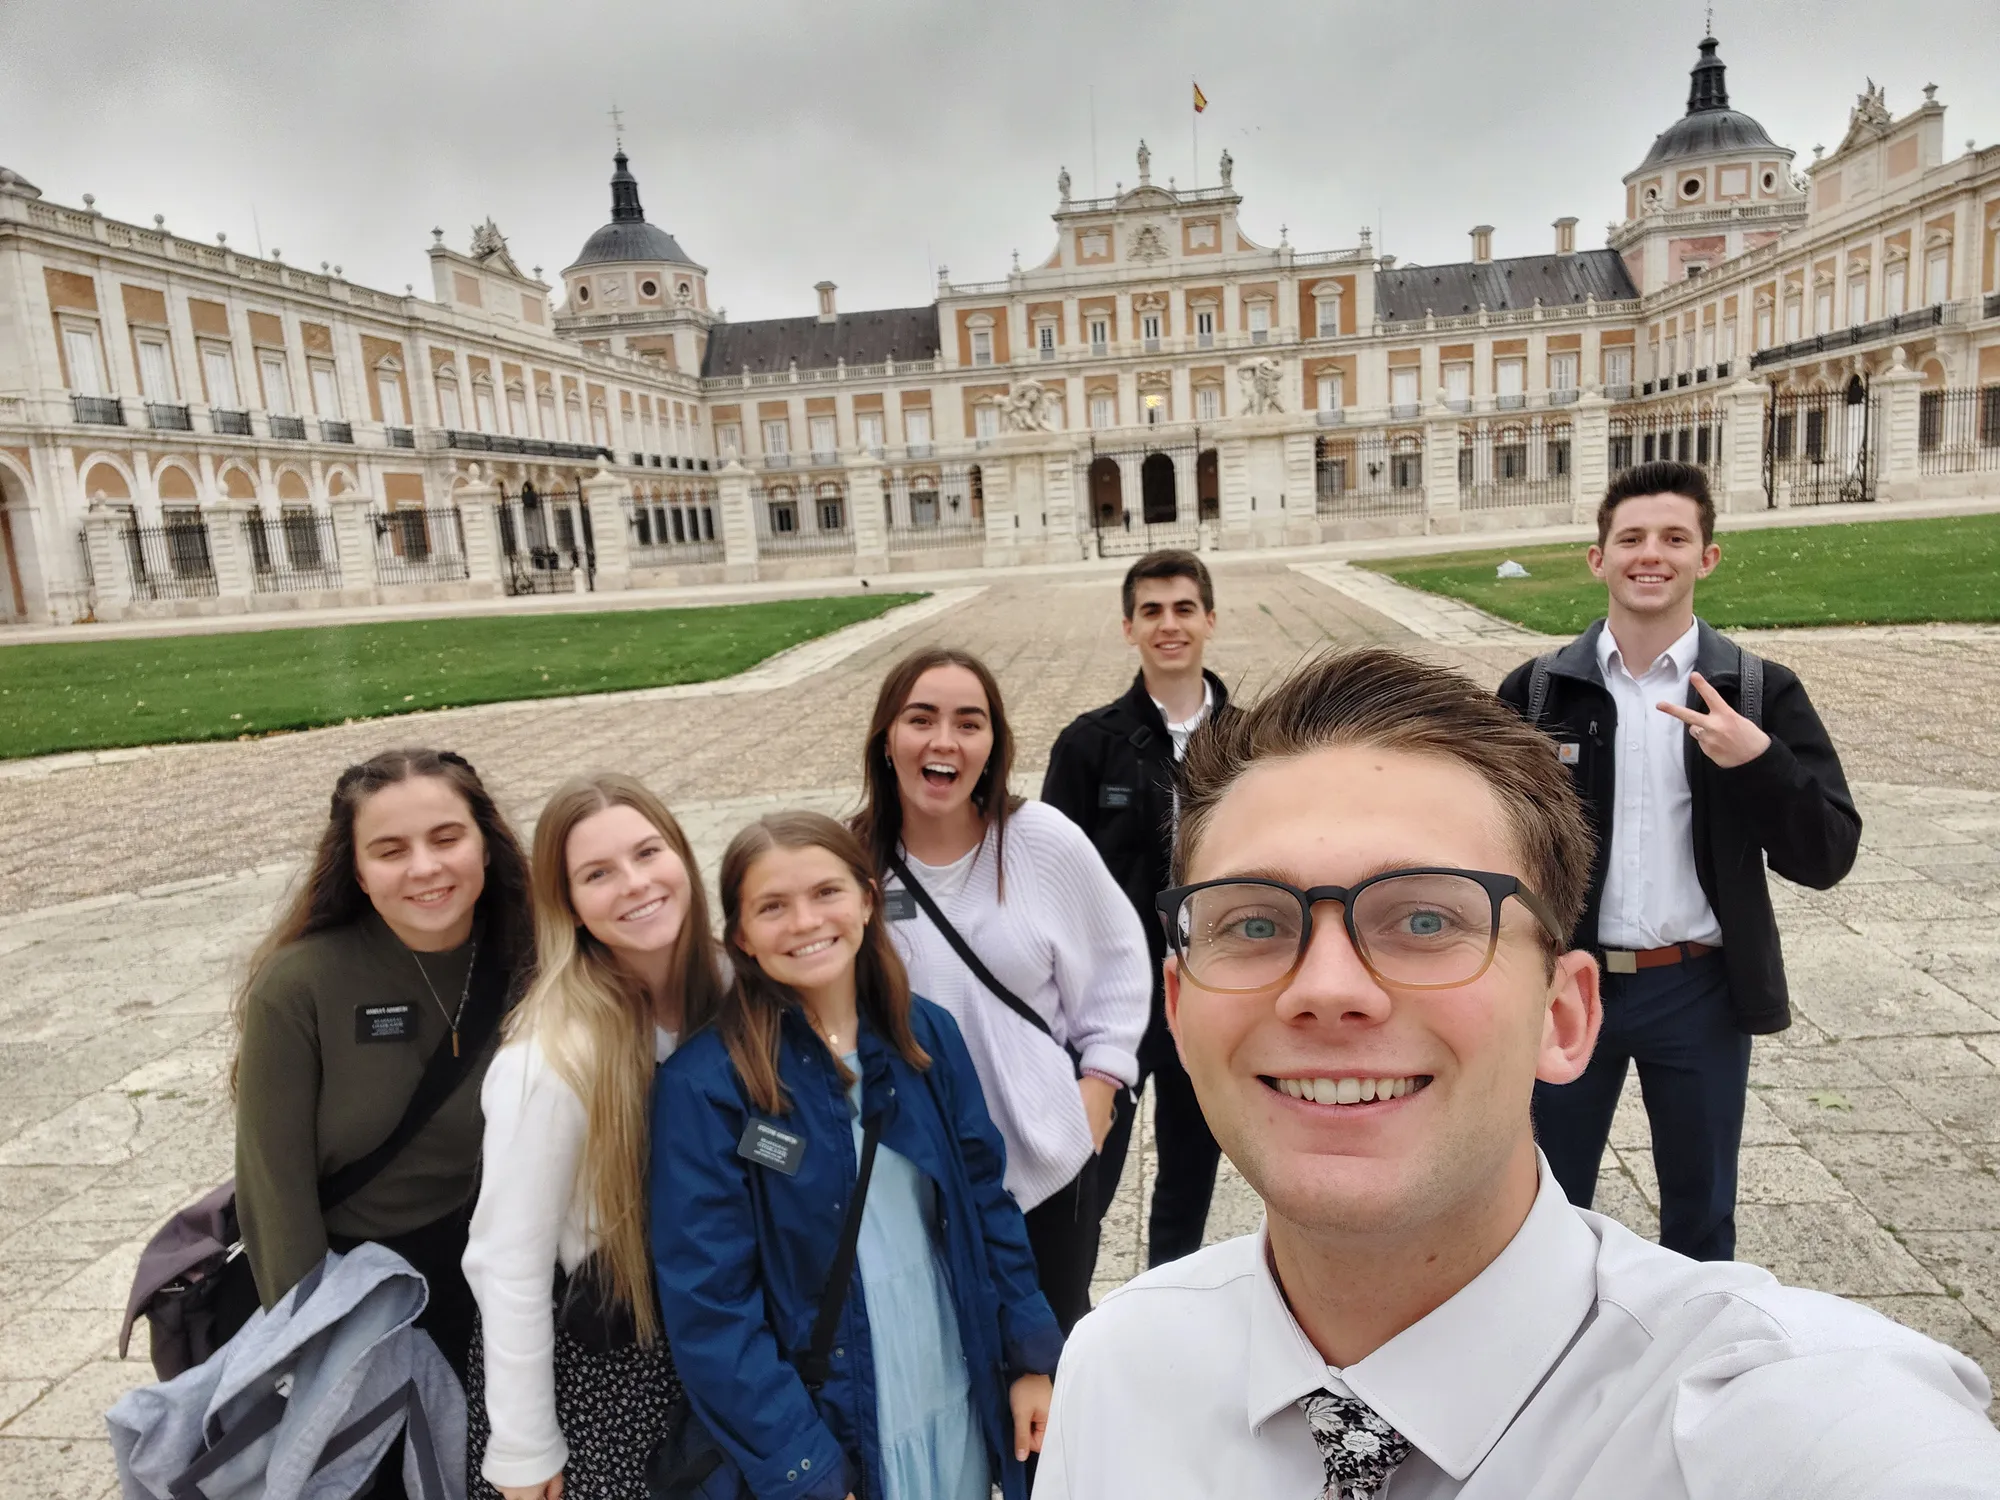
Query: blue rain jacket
(742, 1252)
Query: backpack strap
(1538, 686)
(1750, 686)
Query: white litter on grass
(1510, 569)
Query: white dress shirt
(1652, 896)
(533, 1213)
(1584, 1361)
(1179, 732)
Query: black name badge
(385, 1023)
(768, 1146)
(899, 905)
(1114, 796)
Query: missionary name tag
(899, 905)
(385, 1023)
(1568, 751)
(1114, 796)
(768, 1146)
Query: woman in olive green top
(410, 934)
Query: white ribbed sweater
(1067, 942)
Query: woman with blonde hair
(576, 1376)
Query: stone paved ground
(130, 893)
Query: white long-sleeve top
(532, 1215)
(1067, 941)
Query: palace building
(188, 428)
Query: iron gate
(1145, 498)
(545, 541)
(1819, 446)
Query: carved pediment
(489, 245)
(1149, 243)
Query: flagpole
(1194, 132)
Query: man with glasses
(1699, 763)
(1369, 972)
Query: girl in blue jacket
(940, 1376)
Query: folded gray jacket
(305, 1400)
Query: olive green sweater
(312, 1097)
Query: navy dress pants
(1694, 1068)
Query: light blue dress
(931, 1444)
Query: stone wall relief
(1033, 407)
(1263, 385)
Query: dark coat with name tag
(1789, 806)
(742, 1248)
(1112, 773)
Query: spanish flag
(1200, 99)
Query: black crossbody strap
(442, 1075)
(964, 951)
(818, 1361)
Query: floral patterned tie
(1359, 1449)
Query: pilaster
(1741, 472)
(607, 501)
(229, 554)
(864, 506)
(354, 542)
(484, 566)
(1441, 510)
(110, 560)
(1590, 453)
(739, 527)
(1899, 462)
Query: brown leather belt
(1631, 961)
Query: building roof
(863, 338)
(1710, 127)
(628, 236)
(1406, 293)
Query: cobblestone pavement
(130, 894)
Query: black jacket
(1790, 805)
(1112, 773)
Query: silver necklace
(451, 1019)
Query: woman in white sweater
(576, 1378)
(1030, 899)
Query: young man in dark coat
(1114, 771)
(1699, 763)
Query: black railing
(171, 561)
(926, 506)
(168, 416)
(399, 437)
(293, 428)
(87, 569)
(1993, 304)
(335, 432)
(1640, 436)
(675, 528)
(1847, 338)
(1820, 446)
(229, 423)
(100, 411)
(545, 541)
(292, 554)
(1958, 432)
(804, 519)
(420, 545)
(487, 442)
(1516, 463)
(1368, 475)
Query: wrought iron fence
(1506, 464)
(103, 411)
(1643, 435)
(673, 528)
(168, 416)
(171, 561)
(1958, 432)
(420, 544)
(1368, 474)
(292, 428)
(87, 570)
(934, 505)
(802, 518)
(1819, 446)
(545, 541)
(229, 423)
(291, 553)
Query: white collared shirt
(1652, 896)
(1179, 732)
(1584, 1361)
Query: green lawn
(93, 695)
(1855, 573)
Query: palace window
(326, 390)
(1100, 335)
(777, 437)
(600, 424)
(1763, 328)
(1562, 372)
(482, 406)
(1045, 339)
(1728, 340)
(1331, 390)
(517, 410)
(389, 391)
(1857, 300)
(870, 425)
(1328, 301)
(821, 432)
(1403, 385)
(1793, 312)
(1823, 310)
(277, 384)
(1103, 410)
(917, 426)
(1149, 330)
(86, 370)
(1155, 404)
(573, 415)
(982, 346)
(1208, 402)
(219, 370)
(1618, 366)
(1510, 377)
(1204, 327)
(1260, 321)
(156, 371)
(545, 408)
(728, 437)
(1457, 385)
(1895, 285)
(986, 420)
(1937, 276)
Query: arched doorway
(1207, 486)
(1156, 488)
(1107, 492)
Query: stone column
(864, 506)
(998, 497)
(354, 544)
(484, 566)
(1232, 462)
(110, 560)
(1589, 453)
(1897, 460)
(1740, 474)
(739, 526)
(229, 554)
(1301, 492)
(1059, 499)
(1441, 509)
(607, 500)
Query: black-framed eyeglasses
(1426, 929)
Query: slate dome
(1710, 127)
(628, 236)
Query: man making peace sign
(1699, 763)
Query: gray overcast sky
(866, 142)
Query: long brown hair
(880, 821)
(748, 1022)
(594, 1023)
(330, 895)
